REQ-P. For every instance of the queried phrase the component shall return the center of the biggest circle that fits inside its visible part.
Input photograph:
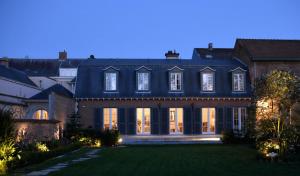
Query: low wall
(37, 130)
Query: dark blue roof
(15, 75)
(90, 77)
(57, 88)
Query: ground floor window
(208, 120)
(40, 114)
(239, 115)
(143, 120)
(110, 116)
(176, 120)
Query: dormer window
(111, 79)
(143, 79)
(176, 79)
(238, 80)
(207, 79)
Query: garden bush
(110, 137)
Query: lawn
(180, 160)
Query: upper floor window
(143, 81)
(40, 114)
(111, 81)
(175, 81)
(238, 81)
(207, 79)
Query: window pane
(212, 119)
(235, 119)
(143, 81)
(106, 118)
(176, 80)
(147, 120)
(205, 119)
(111, 81)
(172, 120)
(180, 119)
(207, 81)
(139, 116)
(114, 118)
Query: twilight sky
(138, 28)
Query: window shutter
(228, 118)
(131, 121)
(98, 118)
(197, 121)
(219, 120)
(121, 120)
(164, 121)
(187, 120)
(154, 121)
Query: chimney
(172, 55)
(4, 61)
(63, 55)
(91, 57)
(210, 46)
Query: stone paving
(89, 155)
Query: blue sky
(138, 28)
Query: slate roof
(57, 88)
(90, 79)
(43, 67)
(215, 52)
(268, 50)
(15, 75)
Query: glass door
(208, 120)
(143, 121)
(176, 120)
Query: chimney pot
(172, 55)
(210, 46)
(63, 55)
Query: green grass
(180, 160)
(51, 162)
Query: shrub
(8, 153)
(6, 125)
(110, 137)
(41, 147)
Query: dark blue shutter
(154, 121)
(187, 120)
(197, 121)
(98, 118)
(121, 120)
(228, 118)
(131, 121)
(164, 129)
(219, 120)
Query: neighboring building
(172, 96)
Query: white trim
(143, 122)
(176, 122)
(141, 67)
(205, 68)
(208, 121)
(111, 67)
(175, 67)
(238, 68)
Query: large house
(168, 98)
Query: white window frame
(212, 74)
(110, 117)
(108, 81)
(143, 122)
(176, 84)
(208, 120)
(238, 127)
(143, 82)
(177, 131)
(239, 78)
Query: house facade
(172, 96)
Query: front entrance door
(208, 120)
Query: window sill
(238, 92)
(113, 92)
(174, 91)
(209, 92)
(143, 92)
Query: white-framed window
(40, 114)
(176, 120)
(175, 81)
(143, 81)
(208, 81)
(238, 81)
(110, 118)
(143, 121)
(238, 118)
(110, 81)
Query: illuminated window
(110, 81)
(208, 120)
(176, 120)
(175, 81)
(40, 114)
(239, 115)
(143, 120)
(207, 81)
(110, 116)
(143, 81)
(238, 81)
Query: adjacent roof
(43, 67)
(90, 79)
(269, 49)
(214, 52)
(15, 75)
(57, 88)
